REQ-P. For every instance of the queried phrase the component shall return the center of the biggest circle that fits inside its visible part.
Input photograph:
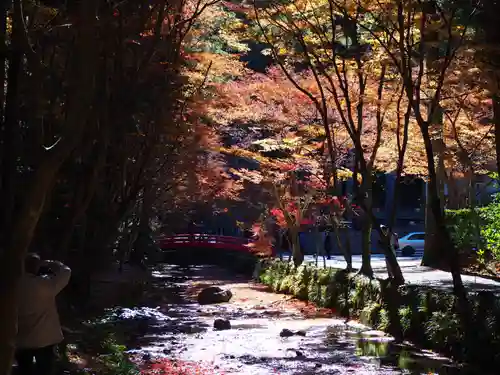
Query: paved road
(413, 272)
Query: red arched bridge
(204, 241)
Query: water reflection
(378, 347)
(408, 358)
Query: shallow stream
(182, 330)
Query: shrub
(301, 282)
(114, 359)
(462, 225)
(384, 321)
(490, 230)
(370, 314)
(476, 229)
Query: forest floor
(167, 329)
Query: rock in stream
(222, 324)
(214, 294)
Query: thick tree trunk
(441, 234)
(12, 260)
(3, 53)
(16, 238)
(443, 250)
(433, 243)
(4, 5)
(10, 132)
(448, 251)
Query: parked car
(412, 244)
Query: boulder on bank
(222, 324)
(214, 294)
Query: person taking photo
(39, 329)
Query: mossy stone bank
(424, 315)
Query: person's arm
(62, 274)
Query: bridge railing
(203, 240)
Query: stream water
(170, 325)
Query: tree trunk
(278, 241)
(10, 131)
(346, 250)
(17, 237)
(393, 268)
(388, 249)
(366, 235)
(441, 248)
(318, 244)
(472, 207)
(297, 255)
(12, 258)
(432, 245)
(448, 251)
(496, 121)
(142, 240)
(3, 53)
(440, 235)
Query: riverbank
(169, 327)
(424, 314)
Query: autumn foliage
(177, 367)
